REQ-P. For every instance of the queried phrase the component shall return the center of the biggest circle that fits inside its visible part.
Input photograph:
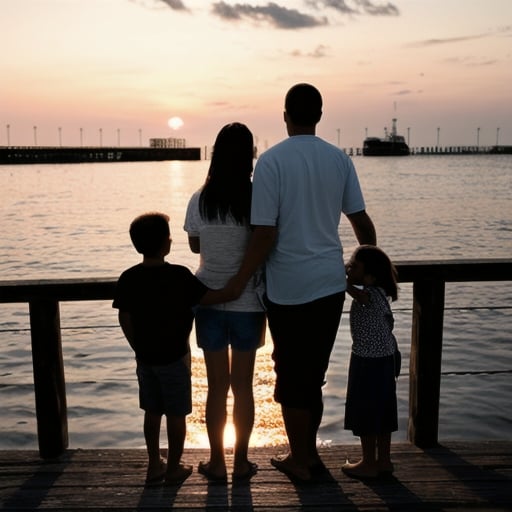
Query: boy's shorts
(216, 329)
(165, 389)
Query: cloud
(176, 5)
(446, 40)
(275, 15)
(360, 7)
(282, 17)
(471, 61)
(318, 53)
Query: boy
(155, 300)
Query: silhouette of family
(270, 255)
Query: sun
(175, 122)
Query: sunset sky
(120, 69)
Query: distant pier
(10, 155)
(446, 150)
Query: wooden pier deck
(474, 476)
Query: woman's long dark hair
(228, 186)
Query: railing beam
(425, 362)
(49, 384)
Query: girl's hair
(227, 189)
(377, 263)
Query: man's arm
(262, 241)
(363, 228)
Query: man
(301, 187)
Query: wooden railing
(428, 278)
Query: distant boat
(389, 145)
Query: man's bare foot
(360, 470)
(178, 474)
(385, 467)
(294, 471)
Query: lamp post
(118, 137)
(438, 129)
(408, 133)
(8, 135)
(35, 135)
(477, 138)
(60, 136)
(140, 137)
(338, 130)
(101, 138)
(81, 137)
(497, 136)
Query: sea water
(71, 221)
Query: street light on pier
(118, 137)
(101, 138)
(438, 129)
(338, 130)
(478, 137)
(60, 136)
(497, 136)
(140, 137)
(9, 137)
(35, 135)
(81, 137)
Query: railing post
(49, 385)
(425, 362)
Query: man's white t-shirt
(303, 185)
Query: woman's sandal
(204, 469)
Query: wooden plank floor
(454, 476)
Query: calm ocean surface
(66, 221)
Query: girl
(371, 404)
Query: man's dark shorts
(303, 337)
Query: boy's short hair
(149, 232)
(303, 104)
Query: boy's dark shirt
(159, 300)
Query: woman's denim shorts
(216, 329)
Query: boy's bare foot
(178, 474)
(245, 472)
(360, 470)
(156, 473)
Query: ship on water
(391, 144)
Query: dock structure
(430, 475)
(12, 155)
(457, 476)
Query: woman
(218, 226)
